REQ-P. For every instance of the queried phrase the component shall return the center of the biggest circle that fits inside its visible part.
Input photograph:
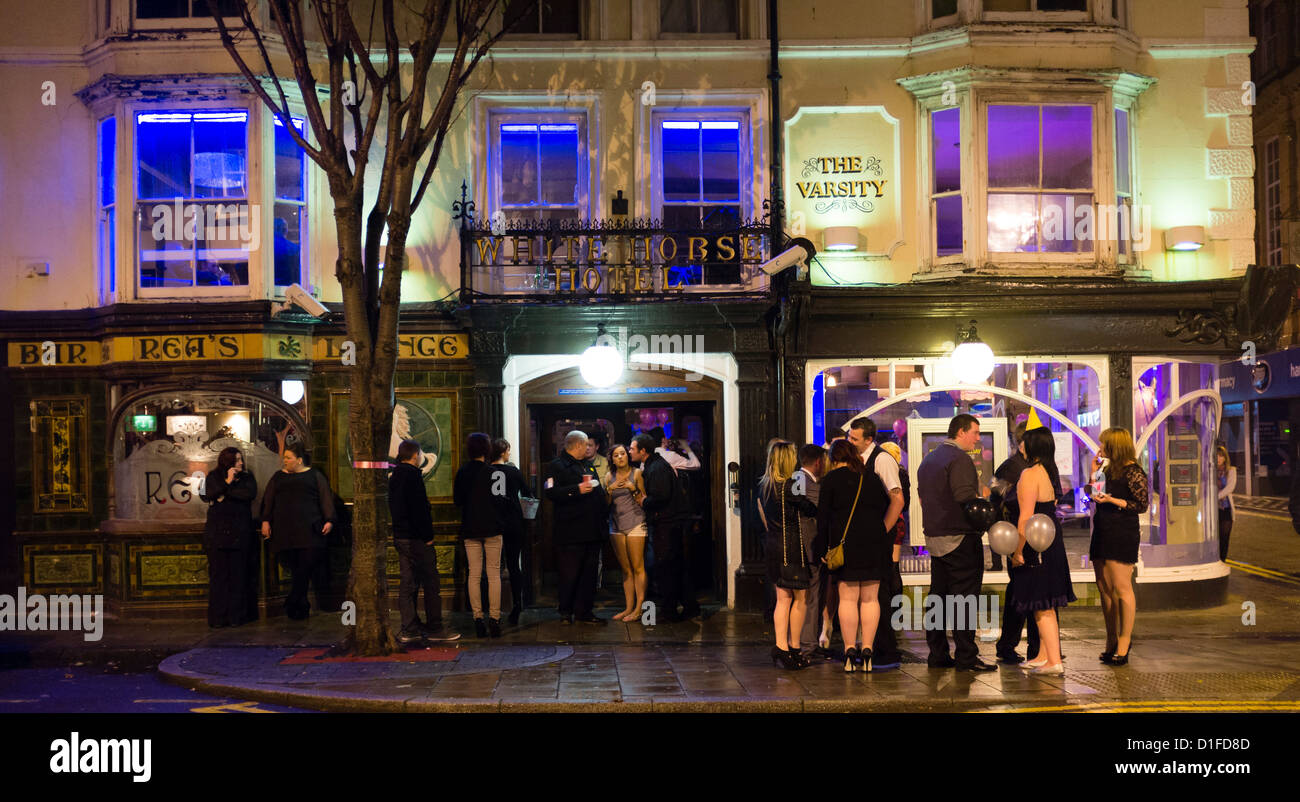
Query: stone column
(487, 352)
(757, 423)
(1121, 391)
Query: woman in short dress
(780, 503)
(1044, 585)
(851, 509)
(627, 529)
(1115, 537)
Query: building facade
(1074, 175)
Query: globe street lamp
(602, 364)
(972, 359)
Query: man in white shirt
(862, 434)
(690, 462)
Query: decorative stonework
(1237, 68)
(1241, 132)
(1231, 162)
(1225, 102)
(1229, 224)
(1242, 254)
(1241, 193)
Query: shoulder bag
(793, 577)
(835, 556)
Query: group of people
(834, 523)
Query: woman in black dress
(227, 537)
(781, 501)
(1044, 585)
(511, 516)
(1115, 537)
(297, 514)
(851, 509)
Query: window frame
(932, 196)
(578, 35)
(1034, 15)
(106, 217)
(306, 228)
(722, 35)
(498, 116)
(188, 23)
(1271, 247)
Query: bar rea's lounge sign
(842, 170)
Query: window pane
(560, 16)
(1067, 147)
(1013, 146)
(163, 145)
(519, 165)
(288, 243)
(677, 16)
(219, 148)
(1123, 169)
(290, 164)
(559, 151)
(681, 156)
(222, 245)
(1006, 5)
(946, 143)
(166, 252)
(1068, 223)
(718, 16)
(948, 234)
(942, 8)
(161, 9)
(520, 16)
(110, 240)
(720, 142)
(1062, 5)
(1012, 222)
(107, 160)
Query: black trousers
(577, 564)
(1013, 621)
(670, 568)
(419, 572)
(1225, 530)
(227, 583)
(884, 649)
(960, 572)
(301, 565)
(512, 554)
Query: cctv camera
(297, 295)
(800, 252)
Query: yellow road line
(1266, 573)
(1180, 705)
(1276, 516)
(234, 707)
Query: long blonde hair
(782, 461)
(1119, 448)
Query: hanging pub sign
(842, 173)
(619, 258)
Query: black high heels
(1106, 656)
(852, 659)
(786, 659)
(864, 660)
(1121, 659)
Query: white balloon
(1003, 538)
(1040, 531)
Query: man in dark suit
(408, 507)
(946, 480)
(581, 527)
(666, 512)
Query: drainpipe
(776, 210)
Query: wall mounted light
(840, 238)
(972, 359)
(601, 364)
(1184, 238)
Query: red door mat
(316, 656)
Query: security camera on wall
(297, 295)
(800, 252)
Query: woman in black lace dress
(1045, 584)
(781, 500)
(1115, 537)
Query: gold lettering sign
(409, 346)
(55, 353)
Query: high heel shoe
(1050, 671)
(802, 659)
(852, 659)
(1036, 663)
(1122, 659)
(785, 659)
(1106, 656)
(864, 660)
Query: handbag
(793, 577)
(835, 556)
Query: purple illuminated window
(1040, 179)
(541, 163)
(945, 154)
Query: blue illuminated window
(290, 226)
(108, 204)
(540, 165)
(195, 227)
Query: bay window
(290, 223)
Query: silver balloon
(1003, 538)
(1040, 531)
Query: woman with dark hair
(297, 513)
(780, 503)
(1115, 536)
(481, 531)
(1045, 583)
(512, 485)
(851, 511)
(627, 529)
(227, 536)
(1226, 481)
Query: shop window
(290, 226)
(165, 445)
(1040, 178)
(543, 17)
(60, 454)
(107, 197)
(195, 225)
(699, 17)
(945, 198)
(539, 165)
(700, 161)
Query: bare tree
(369, 93)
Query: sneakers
(409, 636)
(438, 634)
